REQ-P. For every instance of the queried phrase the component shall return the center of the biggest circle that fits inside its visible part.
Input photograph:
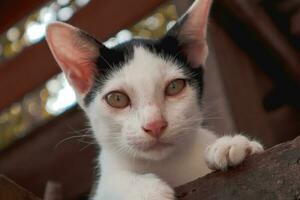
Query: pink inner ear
(74, 54)
(193, 32)
(79, 75)
(198, 19)
(196, 54)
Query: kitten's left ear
(75, 52)
(191, 30)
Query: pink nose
(155, 128)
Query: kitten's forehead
(145, 72)
(149, 66)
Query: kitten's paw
(230, 151)
(151, 188)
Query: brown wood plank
(39, 158)
(182, 6)
(35, 65)
(254, 16)
(11, 191)
(244, 102)
(295, 25)
(12, 11)
(285, 123)
(272, 175)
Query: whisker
(68, 139)
(86, 146)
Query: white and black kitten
(143, 101)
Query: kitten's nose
(155, 128)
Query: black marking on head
(109, 61)
(170, 46)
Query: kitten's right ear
(191, 30)
(75, 52)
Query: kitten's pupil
(175, 87)
(117, 99)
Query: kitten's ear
(191, 30)
(75, 52)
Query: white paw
(151, 188)
(230, 151)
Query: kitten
(143, 101)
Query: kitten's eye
(175, 87)
(117, 99)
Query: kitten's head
(141, 97)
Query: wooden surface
(32, 67)
(11, 191)
(53, 152)
(239, 84)
(250, 74)
(256, 19)
(272, 175)
(12, 11)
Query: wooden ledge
(11, 191)
(272, 175)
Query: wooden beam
(295, 25)
(254, 16)
(31, 68)
(47, 155)
(182, 6)
(12, 11)
(274, 174)
(11, 191)
(236, 72)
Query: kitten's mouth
(152, 146)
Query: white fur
(129, 173)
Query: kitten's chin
(155, 152)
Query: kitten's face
(142, 97)
(158, 89)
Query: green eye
(175, 87)
(117, 99)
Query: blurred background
(252, 80)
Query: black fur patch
(109, 61)
(113, 59)
(170, 47)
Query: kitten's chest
(181, 168)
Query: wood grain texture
(11, 191)
(272, 175)
(249, 12)
(12, 11)
(239, 83)
(53, 152)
